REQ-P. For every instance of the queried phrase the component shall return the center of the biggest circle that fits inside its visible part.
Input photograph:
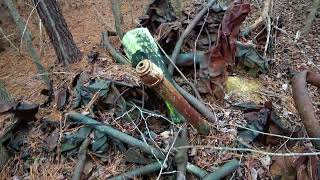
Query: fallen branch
(200, 173)
(262, 18)
(181, 156)
(304, 104)
(145, 170)
(186, 32)
(114, 53)
(82, 156)
(223, 171)
(152, 76)
(73, 116)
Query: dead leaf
(222, 55)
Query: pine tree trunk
(58, 31)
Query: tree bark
(58, 31)
(118, 19)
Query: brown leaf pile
(222, 56)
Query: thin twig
(250, 150)
(7, 38)
(262, 18)
(277, 135)
(186, 32)
(169, 151)
(25, 27)
(193, 87)
(114, 53)
(82, 156)
(195, 46)
(268, 24)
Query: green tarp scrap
(251, 59)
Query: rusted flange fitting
(149, 73)
(153, 77)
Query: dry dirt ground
(87, 19)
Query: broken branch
(181, 156)
(114, 53)
(186, 32)
(200, 173)
(304, 104)
(262, 18)
(73, 116)
(82, 156)
(145, 170)
(223, 171)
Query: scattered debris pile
(149, 115)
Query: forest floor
(86, 20)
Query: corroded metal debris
(152, 76)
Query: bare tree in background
(118, 19)
(58, 31)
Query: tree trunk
(58, 31)
(27, 36)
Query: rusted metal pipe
(153, 77)
(304, 104)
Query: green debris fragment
(251, 60)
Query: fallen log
(304, 104)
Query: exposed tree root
(304, 104)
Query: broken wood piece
(304, 104)
(197, 171)
(105, 42)
(186, 32)
(261, 20)
(77, 117)
(82, 156)
(181, 156)
(144, 170)
(223, 171)
(152, 76)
